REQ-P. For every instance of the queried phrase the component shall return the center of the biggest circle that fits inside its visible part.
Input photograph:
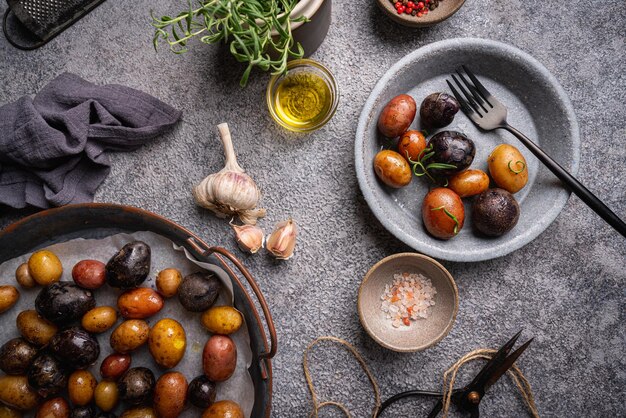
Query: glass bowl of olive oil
(303, 99)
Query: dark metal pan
(97, 220)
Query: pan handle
(201, 248)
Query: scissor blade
(492, 364)
(506, 365)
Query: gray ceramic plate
(537, 105)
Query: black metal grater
(45, 18)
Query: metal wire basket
(42, 19)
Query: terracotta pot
(311, 34)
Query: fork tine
(464, 106)
(475, 93)
(468, 96)
(483, 91)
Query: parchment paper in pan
(238, 388)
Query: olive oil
(302, 98)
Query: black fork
(489, 114)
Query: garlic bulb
(282, 241)
(230, 191)
(249, 237)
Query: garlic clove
(282, 241)
(250, 238)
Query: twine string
(449, 377)
(309, 380)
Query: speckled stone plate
(538, 106)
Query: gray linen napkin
(53, 147)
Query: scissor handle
(409, 394)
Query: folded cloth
(53, 147)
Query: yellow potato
(106, 395)
(140, 412)
(99, 319)
(8, 297)
(392, 169)
(129, 335)
(34, 328)
(81, 386)
(15, 393)
(168, 281)
(508, 168)
(23, 277)
(222, 320)
(167, 342)
(469, 182)
(6, 412)
(45, 267)
(223, 409)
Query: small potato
(223, 409)
(54, 408)
(507, 167)
(139, 303)
(222, 320)
(392, 169)
(106, 395)
(89, 274)
(16, 393)
(141, 412)
(219, 358)
(168, 281)
(411, 145)
(16, 355)
(99, 319)
(443, 213)
(397, 116)
(81, 386)
(170, 394)
(167, 342)
(136, 387)
(45, 267)
(34, 328)
(115, 365)
(8, 297)
(129, 335)
(23, 277)
(88, 411)
(469, 182)
(6, 412)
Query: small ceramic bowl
(445, 9)
(305, 66)
(420, 334)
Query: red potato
(89, 274)
(411, 144)
(115, 365)
(54, 408)
(170, 394)
(139, 303)
(443, 213)
(219, 358)
(392, 169)
(397, 116)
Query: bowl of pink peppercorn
(420, 13)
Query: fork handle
(570, 181)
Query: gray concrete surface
(565, 288)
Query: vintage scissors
(468, 398)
